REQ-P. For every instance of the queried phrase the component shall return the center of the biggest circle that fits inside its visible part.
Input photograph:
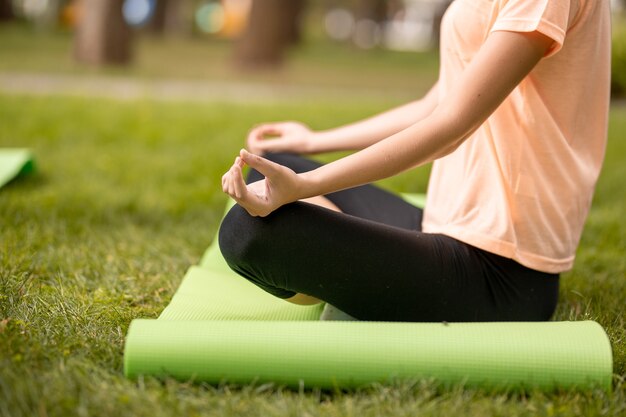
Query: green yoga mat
(218, 327)
(13, 163)
(211, 294)
(349, 354)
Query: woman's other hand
(293, 137)
(260, 198)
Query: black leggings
(373, 262)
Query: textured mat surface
(219, 326)
(213, 294)
(348, 354)
(14, 162)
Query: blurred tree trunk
(102, 36)
(169, 18)
(49, 19)
(157, 21)
(273, 26)
(375, 10)
(6, 10)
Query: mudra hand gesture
(262, 197)
(293, 137)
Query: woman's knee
(237, 235)
(243, 242)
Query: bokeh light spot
(210, 17)
(339, 24)
(138, 12)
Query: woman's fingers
(257, 141)
(238, 182)
(229, 183)
(235, 186)
(254, 198)
(232, 181)
(268, 168)
(258, 133)
(274, 145)
(269, 129)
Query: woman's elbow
(454, 128)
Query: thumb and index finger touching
(265, 137)
(266, 167)
(266, 129)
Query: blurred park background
(277, 47)
(273, 46)
(134, 109)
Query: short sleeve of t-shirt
(549, 17)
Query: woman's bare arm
(298, 138)
(500, 65)
(504, 60)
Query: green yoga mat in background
(219, 326)
(13, 163)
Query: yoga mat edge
(15, 162)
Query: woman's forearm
(360, 135)
(505, 59)
(418, 144)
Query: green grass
(127, 196)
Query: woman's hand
(291, 137)
(260, 198)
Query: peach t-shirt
(521, 185)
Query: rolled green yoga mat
(348, 354)
(219, 327)
(13, 163)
